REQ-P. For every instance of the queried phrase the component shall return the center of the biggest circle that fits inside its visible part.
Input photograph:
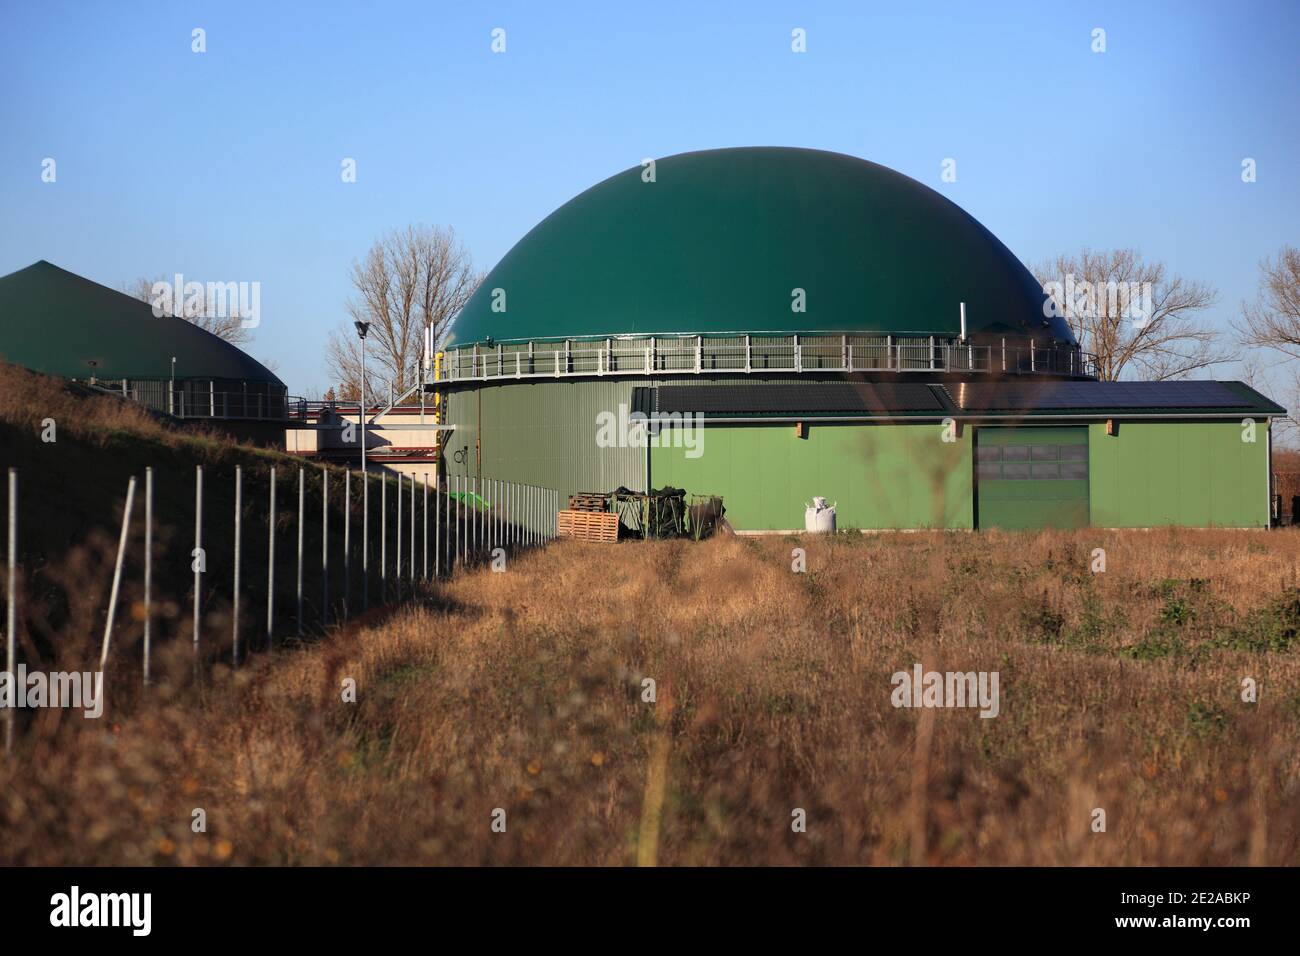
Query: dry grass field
(523, 691)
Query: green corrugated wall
(544, 433)
(880, 476)
(1178, 473)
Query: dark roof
(969, 400)
(56, 322)
(1090, 396)
(716, 244)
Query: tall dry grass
(523, 691)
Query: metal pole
(199, 559)
(383, 537)
(365, 540)
(411, 564)
(234, 616)
(426, 522)
(440, 495)
(302, 512)
(399, 533)
(270, 566)
(458, 557)
(347, 539)
(11, 609)
(148, 568)
(324, 547)
(473, 517)
(362, 406)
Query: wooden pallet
(588, 501)
(587, 525)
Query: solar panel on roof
(855, 398)
(1017, 396)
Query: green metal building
(771, 324)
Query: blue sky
(225, 165)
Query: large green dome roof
(720, 238)
(57, 322)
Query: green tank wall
(1178, 473)
(544, 433)
(879, 476)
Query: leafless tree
(1273, 319)
(1138, 321)
(204, 313)
(1272, 322)
(409, 280)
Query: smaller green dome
(56, 322)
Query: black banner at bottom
(334, 906)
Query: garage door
(1031, 477)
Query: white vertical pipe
(324, 547)
(239, 527)
(302, 513)
(117, 572)
(270, 566)
(148, 570)
(11, 607)
(198, 558)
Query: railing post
(749, 355)
(1033, 358)
(932, 352)
(699, 353)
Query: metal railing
(762, 354)
(193, 398)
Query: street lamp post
(362, 329)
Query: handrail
(706, 357)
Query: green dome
(719, 240)
(56, 322)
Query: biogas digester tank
(819, 516)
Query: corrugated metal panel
(544, 433)
(880, 476)
(1151, 474)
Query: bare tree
(1137, 320)
(410, 280)
(1272, 321)
(224, 322)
